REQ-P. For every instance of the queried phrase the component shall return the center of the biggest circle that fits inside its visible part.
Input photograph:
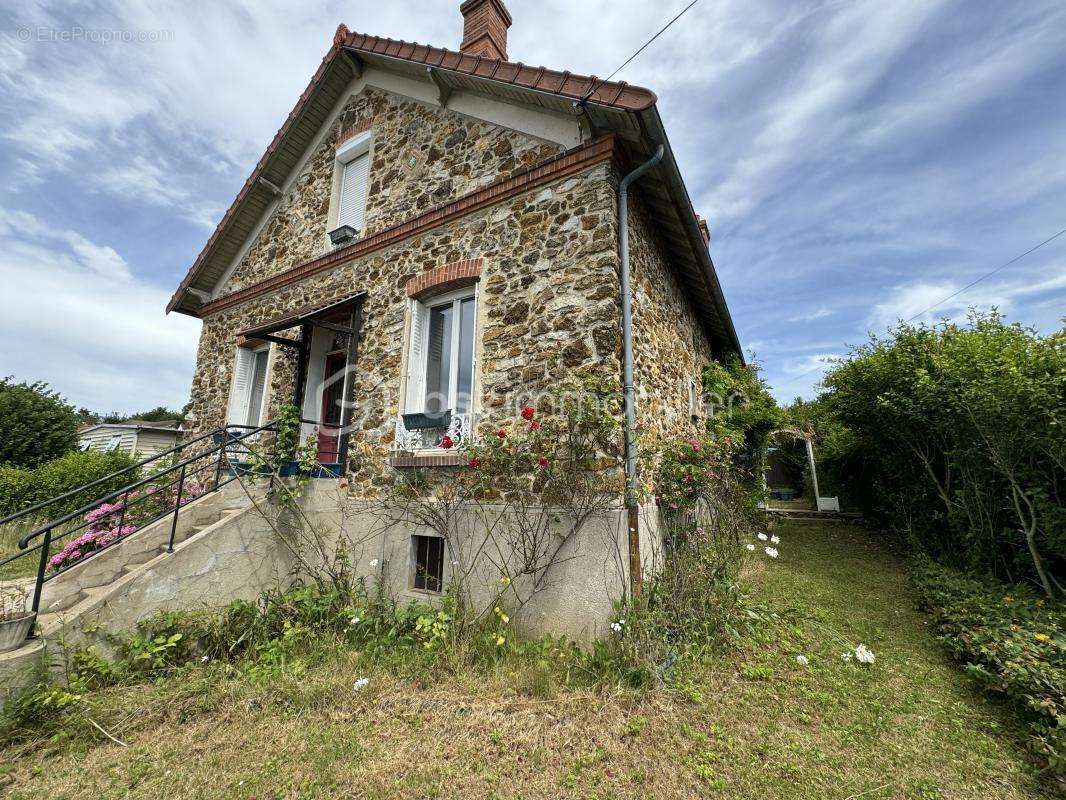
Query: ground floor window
(429, 563)
(440, 375)
(249, 386)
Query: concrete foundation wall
(241, 555)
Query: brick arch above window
(443, 279)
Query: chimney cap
(470, 5)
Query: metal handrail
(227, 440)
(213, 458)
(45, 503)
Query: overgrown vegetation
(957, 443)
(1012, 642)
(21, 488)
(295, 717)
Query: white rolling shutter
(352, 206)
(242, 386)
(416, 359)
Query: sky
(857, 161)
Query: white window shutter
(353, 192)
(257, 392)
(242, 387)
(416, 359)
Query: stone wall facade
(548, 291)
(420, 157)
(548, 308)
(670, 344)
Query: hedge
(1012, 642)
(21, 488)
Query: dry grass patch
(752, 723)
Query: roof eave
(657, 130)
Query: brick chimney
(485, 24)
(704, 229)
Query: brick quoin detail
(444, 279)
(352, 130)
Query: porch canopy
(343, 316)
(331, 316)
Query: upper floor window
(353, 169)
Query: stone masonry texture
(548, 286)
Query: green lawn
(754, 724)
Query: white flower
(772, 552)
(616, 627)
(846, 656)
(204, 659)
(373, 562)
(775, 540)
(751, 547)
(802, 661)
(361, 683)
(864, 655)
(354, 621)
(762, 537)
(622, 621)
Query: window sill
(435, 457)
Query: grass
(754, 724)
(27, 565)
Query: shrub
(20, 488)
(36, 424)
(958, 441)
(1013, 644)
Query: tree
(36, 424)
(157, 414)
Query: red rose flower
(534, 426)
(501, 433)
(543, 461)
(446, 442)
(475, 462)
(527, 413)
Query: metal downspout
(627, 368)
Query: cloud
(928, 302)
(819, 313)
(857, 160)
(78, 320)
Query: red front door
(329, 429)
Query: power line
(987, 275)
(1001, 267)
(625, 63)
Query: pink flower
(543, 461)
(694, 444)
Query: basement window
(429, 563)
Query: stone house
(431, 239)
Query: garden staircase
(184, 532)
